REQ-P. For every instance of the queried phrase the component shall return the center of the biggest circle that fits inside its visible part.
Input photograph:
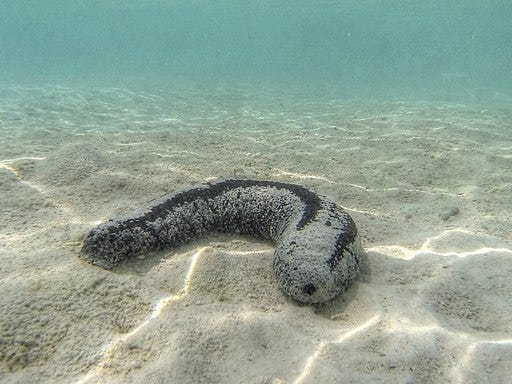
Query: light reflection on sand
(398, 251)
(345, 336)
(109, 350)
(8, 164)
(394, 166)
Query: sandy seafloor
(428, 184)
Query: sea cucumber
(317, 245)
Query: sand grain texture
(432, 303)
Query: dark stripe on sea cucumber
(311, 201)
(344, 237)
(317, 246)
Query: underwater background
(432, 49)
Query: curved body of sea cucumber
(317, 246)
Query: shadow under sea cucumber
(317, 246)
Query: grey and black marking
(317, 247)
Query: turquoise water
(457, 51)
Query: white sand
(429, 186)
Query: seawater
(456, 51)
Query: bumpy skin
(317, 247)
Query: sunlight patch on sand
(242, 253)
(345, 336)
(179, 153)
(434, 193)
(404, 253)
(396, 189)
(20, 237)
(460, 371)
(464, 362)
(132, 144)
(365, 212)
(7, 164)
(401, 252)
(163, 303)
(301, 176)
(408, 326)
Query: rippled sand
(429, 186)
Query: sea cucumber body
(317, 247)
